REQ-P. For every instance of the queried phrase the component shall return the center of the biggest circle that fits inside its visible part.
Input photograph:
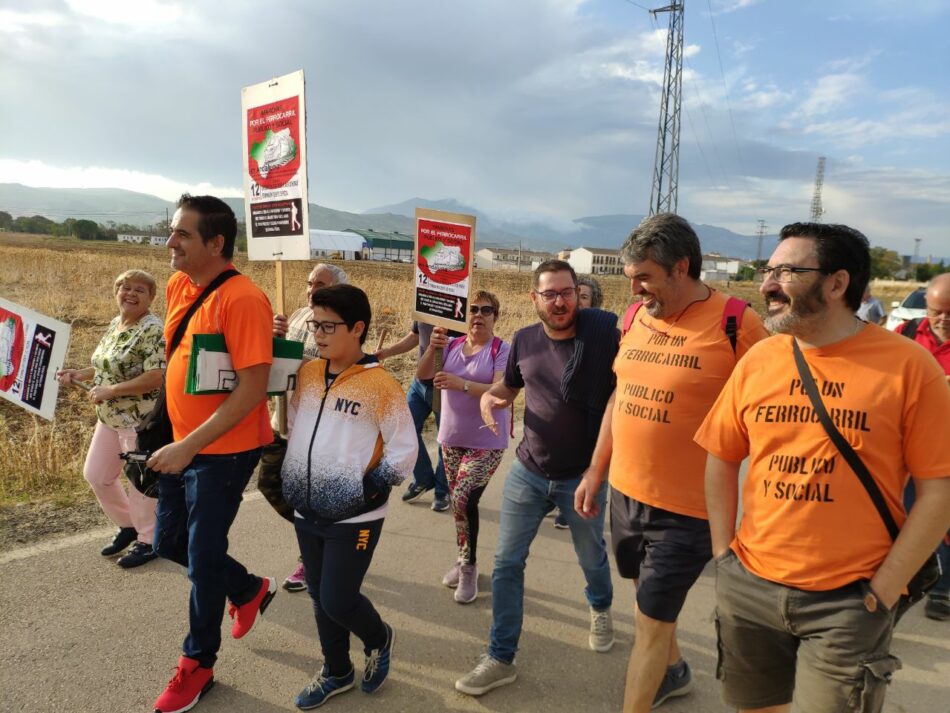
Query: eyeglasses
(568, 294)
(484, 310)
(783, 273)
(328, 327)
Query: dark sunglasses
(484, 310)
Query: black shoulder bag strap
(853, 459)
(183, 324)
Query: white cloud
(724, 6)
(39, 174)
(763, 97)
(16, 22)
(832, 91)
(140, 14)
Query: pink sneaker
(467, 590)
(297, 581)
(451, 578)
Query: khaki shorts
(821, 651)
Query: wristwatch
(465, 386)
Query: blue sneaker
(377, 663)
(678, 681)
(322, 687)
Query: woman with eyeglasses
(471, 452)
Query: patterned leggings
(468, 471)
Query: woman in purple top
(471, 364)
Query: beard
(547, 317)
(800, 311)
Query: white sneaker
(601, 630)
(488, 674)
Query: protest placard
(32, 349)
(275, 169)
(445, 244)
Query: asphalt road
(79, 634)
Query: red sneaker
(247, 615)
(187, 686)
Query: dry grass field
(72, 281)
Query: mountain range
(598, 231)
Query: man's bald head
(938, 306)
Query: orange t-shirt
(665, 387)
(240, 311)
(807, 522)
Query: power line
(712, 142)
(702, 154)
(722, 73)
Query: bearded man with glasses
(563, 364)
(832, 413)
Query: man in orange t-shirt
(672, 363)
(218, 439)
(807, 588)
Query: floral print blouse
(122, 355)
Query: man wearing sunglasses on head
(678, 349)
(563, 365)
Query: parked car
(913, 306)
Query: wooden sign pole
(282, 399)
(437, 393)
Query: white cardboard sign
(32, 349)
(274, 127)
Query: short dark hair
(553, 265)
(665, 238)
(349, 302)
(839, 248)
(489, 297)
(215, 218)
(596, 294)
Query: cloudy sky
(525, 109)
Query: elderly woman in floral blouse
(126, 373)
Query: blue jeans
(942, 587)
(419, 399)
(195, 511)
(526, 499)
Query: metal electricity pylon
(760, 235)
(665, 190)
(816, 209)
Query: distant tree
(925, 271)
(86, 229)
(36, 224)
(746, 273)
(6, 220)
(884, 262)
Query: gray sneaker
(678, 681)
(467, 590)
(488, 674)
(601, 630)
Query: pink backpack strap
(731, 317)
(630, 315)
(457, 342)
(495, 348)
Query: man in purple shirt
(566, 391)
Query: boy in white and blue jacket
(351, 439)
